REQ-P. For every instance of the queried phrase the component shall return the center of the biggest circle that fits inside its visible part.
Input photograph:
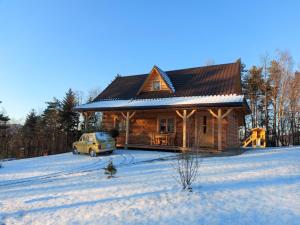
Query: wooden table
(163, 139)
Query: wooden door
(204, 130)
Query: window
(90, 138)
(156, 85)
(204, 124)
(166, 125)
(83, 138)
(170, 126)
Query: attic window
(156, 85)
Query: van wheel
(75, 151)
(92, 153)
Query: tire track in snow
(56, 174)
(84, 169)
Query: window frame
(167, 118)
(153, 85)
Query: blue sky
(48, 46)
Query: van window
(90, 138)
(102, 136)
(82, 138)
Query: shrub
(110, 169)
(114, 133)
(187, 168)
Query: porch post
(219, 129)
(220, 117)
(184, 117)
(85, 120)
(127, 130)
(196, 131)
(184, 129)
(127, 117)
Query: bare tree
(93, 93)
(293, 103)
(187, 167)
(285, 61)
(209, 62)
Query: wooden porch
(167, 148)
(173, 129)
(152, 147)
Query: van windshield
(101, 136)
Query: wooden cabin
(200, 107)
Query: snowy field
(258, 187)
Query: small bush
(0, 165)
(110, 169)
(187, 168)
(114, 133)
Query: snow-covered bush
(187, 168)
(110, 169)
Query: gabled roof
(165, 78)
(221, 79)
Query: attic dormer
(157, 80)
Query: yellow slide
(257, 138)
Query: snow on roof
(166, 78)
(173, 101)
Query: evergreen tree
(52, 125)
(3, 135)
(31, 132)
(252, 83)
(3, 120)
(69, 119)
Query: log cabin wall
(233, 131)
(108, 120)
(142, 125)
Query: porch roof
(232, 100)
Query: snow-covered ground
(258, 187)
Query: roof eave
(202, 105)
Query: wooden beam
(178, 113)
(85, 120)
(124, 116)
(220, 117)
(226, 114)
(127, 130)
(196, 130)
(219, 129)
(213, 130)
(132, 114)
(184, 129)
(212, 113)
(191, 113)
(127, 117)
(184, 117)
